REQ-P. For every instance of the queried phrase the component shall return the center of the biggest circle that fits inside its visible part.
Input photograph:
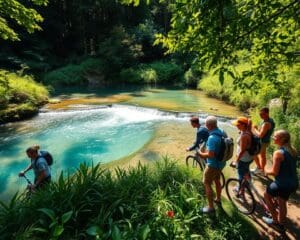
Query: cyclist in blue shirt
(213, 167)
(42, 174)
(202, 134)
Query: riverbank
(20, 96)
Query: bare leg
(257, 162)
(271, 207)
(209, 195)
(263, 158)
(218, 189)
(282, 210)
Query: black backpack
(255, 146)
(47, 156)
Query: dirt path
(293, 215)
(172, 139)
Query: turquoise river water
(92, 133)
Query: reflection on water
(175, 99)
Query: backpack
(47, 156)
(226, 148)
(255, 145)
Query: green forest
(244, 52)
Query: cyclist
(286, 180)
(213, 167)
(201, 136)
(42, 174)
(243, 158)
(264, 133)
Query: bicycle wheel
(244, 202)
(191, 161)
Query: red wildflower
(170, 214)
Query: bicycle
(241, 194)
(195, 161)
(28, 191)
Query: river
(110, 126)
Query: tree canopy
(216, 30)
(220, 34)
(15, 12)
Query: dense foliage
(20, 96)
(158, 202)
(267, 32)
(20, 15)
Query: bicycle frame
(247, 183)
(261, 200)
(28, 181)
(28, 191)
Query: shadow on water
(75, 155)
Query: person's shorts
(243, 169)
(210, 174)
(276, 191)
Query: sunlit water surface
(92, 133)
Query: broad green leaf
(59, 229)
(66, 217)
(116, 234)
(144, 231)
(93, 230)
(50, 213)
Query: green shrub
(242, 98)
(131, 75)
(161, 201)
(92, 65)
(20, 96)
(22, 88)
(157, 72)
(149, 75)
(191, 77)
(68, 75)
(167, 72)
(291, 123)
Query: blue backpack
(47, 156)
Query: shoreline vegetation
(20, 96)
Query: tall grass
(145, 202)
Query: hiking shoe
(268, 220)
(256, 171)
(277, 226)
(207, 210)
